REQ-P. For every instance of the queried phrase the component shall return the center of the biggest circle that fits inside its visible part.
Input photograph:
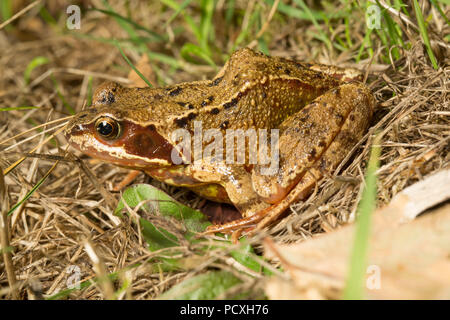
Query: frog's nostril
(74, 130)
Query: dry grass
(69, 213)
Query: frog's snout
(74, 129)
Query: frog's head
(117, 132)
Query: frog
(319, 112)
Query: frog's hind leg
(312, 143)
(305, 137)
(351, 131)
(335, 122)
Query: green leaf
(202, 287)
(243, 256)
(158, 201)
(157, 238)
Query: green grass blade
(191, 23)
(190, 49)
(6, 12)
(89, 91)
(47, 17)
(354, 288)
(424, 34)
(206, 24)
(390, 35)
(154, 36)
(229, 11)
(177, 12)
(322, 36)
(6, 9)
(35, 187)
(36, 62)
(85, 284)
(294, 12)
(246, 31)
(132, 65)
(262, 46)
(18, 108)
(365, 44)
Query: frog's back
(258, 91)
(252, 91)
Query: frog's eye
(107, 128)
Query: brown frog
(318, 112)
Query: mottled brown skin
(319, 113)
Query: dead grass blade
(110, 200)
(101, 271)
(15, 164)
(34, 136)
(34, 128)
(4, 237)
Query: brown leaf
(411, 259)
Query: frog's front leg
(311, 144)
(235, 180)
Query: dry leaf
(406, 261)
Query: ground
(49, 72)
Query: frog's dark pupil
(105, 128)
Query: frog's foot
(236, 225)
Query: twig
(18, 14)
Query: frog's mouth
(131, 150)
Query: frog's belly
(177, 177)
(214, 192)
